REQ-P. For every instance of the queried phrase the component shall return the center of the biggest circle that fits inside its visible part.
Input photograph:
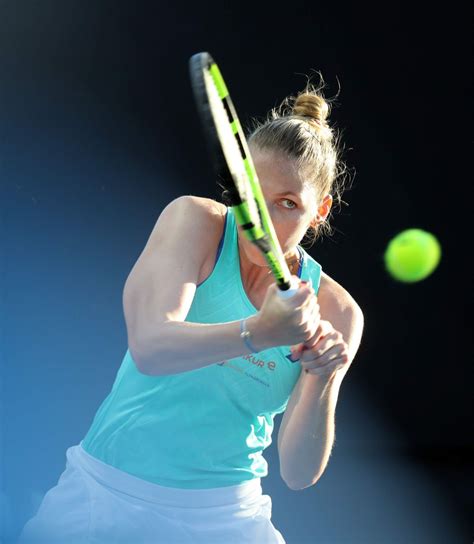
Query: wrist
(247, 337)
(258, 338)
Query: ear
(323, 211)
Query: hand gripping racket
(234, 166)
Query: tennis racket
(234, 166)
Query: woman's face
(291, 203)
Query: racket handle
(291, 291)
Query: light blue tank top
(207, 427)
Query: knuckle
(306, 327)
(297, 319)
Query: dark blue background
(98, 132)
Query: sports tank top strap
(227, 249)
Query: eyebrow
(288, 193)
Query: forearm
(307, 431)
(183, 346)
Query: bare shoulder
(213, 211)
(191, 224)
(215, 227)
(196, 205)
(209, 204)
(208, 216)
(188, 210)
(334, 298)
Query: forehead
(278, 173)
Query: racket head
(224, 136)
(233, 163)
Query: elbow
(299, 486)
(292, 487)
(144, 362)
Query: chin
(254, 255)
(257, 258)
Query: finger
(328, 369)
(303, 316)
(310, 313)
(296, 352)
(308, 317)
(321, 357)
(303, 296)
(299, 281)
(324, 329)
(326, 347)
(317, 333)
(305, 312)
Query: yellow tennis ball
(412, 255)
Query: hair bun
(311, 105)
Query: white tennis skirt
(95, 503)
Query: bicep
(162, 284)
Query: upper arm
(162, 283)
(339, 308)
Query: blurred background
(98, 132)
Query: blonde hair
(298, 128)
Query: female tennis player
(175, 451)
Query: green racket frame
(259, 231)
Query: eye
(292, 204)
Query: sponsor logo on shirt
(258, 362)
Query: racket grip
(291, 291)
